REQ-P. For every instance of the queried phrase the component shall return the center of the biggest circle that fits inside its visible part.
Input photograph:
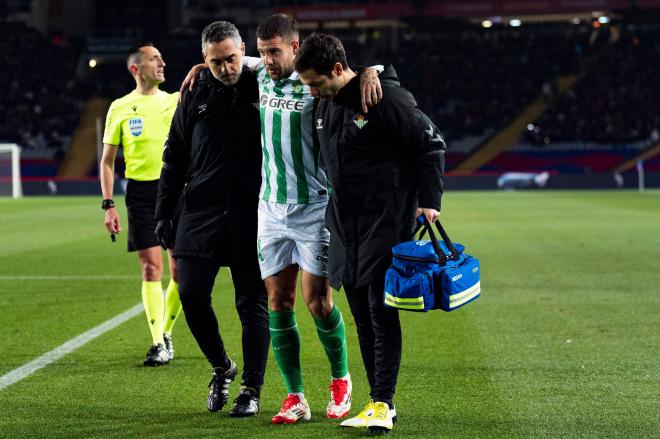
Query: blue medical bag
(431, 274)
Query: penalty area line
(50, 357)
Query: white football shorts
(292, 234)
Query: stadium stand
(604, 122)
(41, 96)
(474, 81)
(571, 81)
(605, 106)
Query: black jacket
(213, 157)
(382, 166)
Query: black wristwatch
(107, 204)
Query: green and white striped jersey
(290, 171)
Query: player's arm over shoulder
(184, 99)
(252, 62)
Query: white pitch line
(68, 277)
(68, 347)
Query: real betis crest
(360, 120)
(298, 88)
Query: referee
(140, 122)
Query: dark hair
(219, 31)
(320, 52)
(278, 25)
(133, 54)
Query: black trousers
(379, 334)
(196, 279)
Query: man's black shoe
(157, 356)
(246, 403)
(219, 386)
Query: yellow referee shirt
(141, 123)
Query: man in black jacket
(383, 166)
(213, 159)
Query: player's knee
(151, 272)
(320, 308)
(281, 302)
(281, 295)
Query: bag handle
(423, 224)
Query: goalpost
(10, 168)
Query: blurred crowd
(41, 98)
(475, 80)
(471, 81)
(616, 101)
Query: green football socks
(172, 306)
(154, 305)
(332, 334)
(285, 338)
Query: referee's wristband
(107, 204)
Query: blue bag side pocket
(412, 292)
(461, 284)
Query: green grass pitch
(564, 342)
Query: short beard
(233, 82)
(286, 73)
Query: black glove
(165, 233)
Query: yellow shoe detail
(362, 418)
(381, 420)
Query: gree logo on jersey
(135, 125)
(281, 103)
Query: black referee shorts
(141, 206)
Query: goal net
(10, 170)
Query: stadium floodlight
(515, 23)
(487, 23)
(10, 168)
(92, 63)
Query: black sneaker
(219, 386)
(157, 356)
(246, 403)
(169, 345)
